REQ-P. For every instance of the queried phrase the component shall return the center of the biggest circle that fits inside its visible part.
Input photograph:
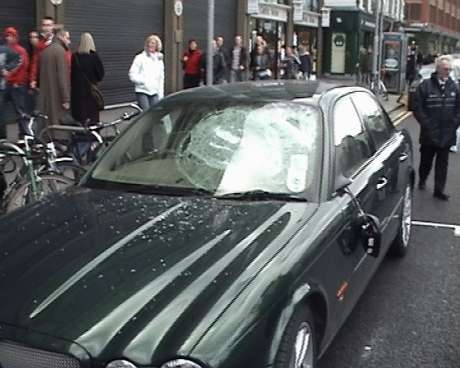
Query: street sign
(325, 17)
(253, 7)
(178, 8)
(56, 2)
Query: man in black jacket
(437, 109)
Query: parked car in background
(229, 226)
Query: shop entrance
(274, 33)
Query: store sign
(253, 7)
(298, 10)
(309, 19)
(267, 11)
(325, 17)
(178, 8)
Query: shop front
(119, 29)
(341, 43)
(306, 25)
(20, 14)
(269, 20)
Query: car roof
(257, 90)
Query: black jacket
(438, 112)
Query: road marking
(400, 118)
(454, 227)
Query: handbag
(95, 91)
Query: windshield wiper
(262, 195)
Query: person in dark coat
(87, 69)
(305, 62)
(218, 64)
(437, 109)
(260, 64)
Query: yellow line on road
(400, 118)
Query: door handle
(403, 157)
(381, 183)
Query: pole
(319, 45)
(375, 54)
(209, 60)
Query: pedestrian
(9, 61)
(191, 62)
(46, 37)
(363, 66)
(305, 62)
(290, 64)
(147, 73)
(16, 81)
(87, 70)
(437, 109)
(218, 65)
(225, 55)
(31, 97)
(239, 60)
(54, 97)
(261, 64)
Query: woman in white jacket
(147, 73)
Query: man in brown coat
(54, 99)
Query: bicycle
(378, 87)
(89, 136)
(28, 185)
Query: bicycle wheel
(70, 170)
(22, 194)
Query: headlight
(181, 363)
(120, 364)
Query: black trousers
(191, 80)
(427, 154)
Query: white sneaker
(453, 149)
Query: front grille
(17, 356)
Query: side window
(351, 141)
(377, 123)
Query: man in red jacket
(192, 65)
(46, 38)
(16, 80)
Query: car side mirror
(370, 234)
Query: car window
(220, 147)
(351, 142)
(377, 123)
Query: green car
(228, 226)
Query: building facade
(434, 25)
(352, 25)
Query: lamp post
(209, 59)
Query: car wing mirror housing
(370, 234)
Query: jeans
(145, 101)
(17, 96)
(237, 75)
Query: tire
(400, 245)
(21, 195)
(298, 347)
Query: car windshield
(217, 148)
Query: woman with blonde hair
(87, 70)
(147, 73)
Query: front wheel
(401, 243)
(46, 184)
(299, 342)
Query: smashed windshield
(219, 147)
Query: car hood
(133, 275)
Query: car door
(389, 155)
